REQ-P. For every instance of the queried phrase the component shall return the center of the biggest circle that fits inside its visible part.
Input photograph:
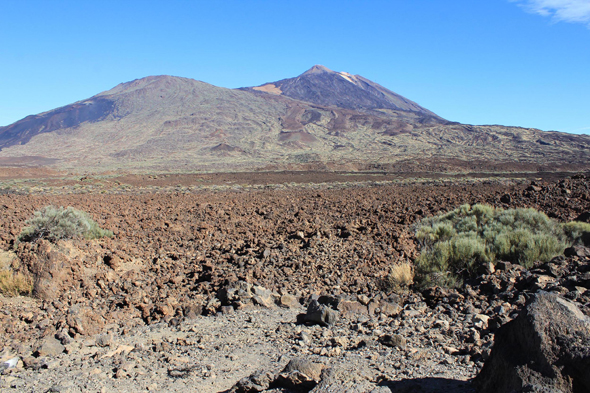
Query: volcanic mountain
(319, 120)
(322, 86)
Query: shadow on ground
(429, 385)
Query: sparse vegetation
(400, 277)
(579, 232)
(55, 223)
(13, 283)
(456, 244)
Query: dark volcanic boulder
(545, 349)
(320, 314)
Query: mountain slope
(166, 123)
(322, 86)
(148, 121)
(156, 99)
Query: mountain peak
(317, 69)
(322, 86)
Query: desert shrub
(55, 223)
(400, 277)
(579, 232)
(457, 243)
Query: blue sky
(522, 63)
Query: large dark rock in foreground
(545, 349)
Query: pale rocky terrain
(199, 289)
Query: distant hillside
(321, 120)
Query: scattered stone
(390, 309)
(84, 320)
(10, 363)
(192, 311)
(481, 321)
(259, 381)
(113, 261)
(227, 310)
(63, 338)
(168, 278)
(288, 301)
(503, 266)
(305, 366)
(242, 294)
(451, 350)
(320, 314)
(351, 308)
(295, 380)
(104, 340)
(49, 347)
(334, 380)
(577, 251)
(339, 341)
(393, 340)
(120, 350)
(363, 299)
(442, 324)
(33, 363)
(262, 297)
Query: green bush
(53, 223)
(457, 243)
(578, 231)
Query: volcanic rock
(394, 341)
(50, 265)
(577, 251)
(320, 314)
(259, 381)
(546, 348)
(305, 366)
(49, 347)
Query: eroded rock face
(545, 349)
(51, 265)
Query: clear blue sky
(511, 62)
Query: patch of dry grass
(400, 277)
(13, 283)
